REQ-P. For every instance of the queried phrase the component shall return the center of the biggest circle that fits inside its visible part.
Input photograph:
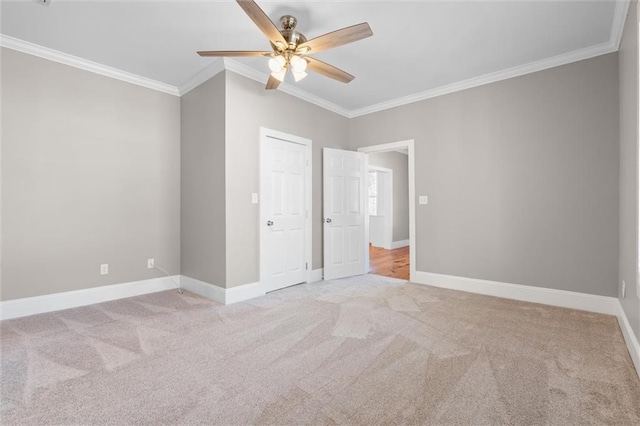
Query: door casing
(265, 134)
(409, 145)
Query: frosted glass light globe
(277, 63)
(298, 64)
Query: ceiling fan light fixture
(277, 63)
(280, 74)
(290, 47)
(298, 64)
(297, 76)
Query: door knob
(269, 223)
(328, 220)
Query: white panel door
(344, 216)
(283, 174)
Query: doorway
(285, 224)
(380, 200)
(391, 208)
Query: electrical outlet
(254, 198)
(104, 269)
(151, 263)
(624, 289)
(423, 199)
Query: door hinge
(306, 265)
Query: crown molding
(575, 56)
(617, 26)
(201, 76)
(83, 64)
(260, 77)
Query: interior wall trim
(409, 145)
(243, 292)
(546, 296)
(204, 289)
(316, 275)
(629, 337)
(399, 244)
(17, 308)
(617, 26)
(222, 295)
(72, 299)
(612, 45)
(261, 77)
(84, 64)
(520, 70)
(201, 76)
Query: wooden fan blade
(263, 22)
(230, 53)
(272, 83)
(328, 70)
(337, 38)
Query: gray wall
(521, 174)
(90, 175)
(400, 165)
(250, 106)
(628, 57)
(203, 252)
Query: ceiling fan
(290, 48)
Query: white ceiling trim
(253, 74)
(216, 67)
(617, 26)
(567, 58)
(201, 76)
(76, 62)
(260, 77)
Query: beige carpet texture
(365, 350)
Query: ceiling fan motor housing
(290, 48)
(293, 37)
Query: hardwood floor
(389, 263)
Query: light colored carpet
(365, 350)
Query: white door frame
(409, 145)
(266, 133)
(387, 197)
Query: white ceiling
(418, 48)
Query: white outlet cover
(151, 263)
(104, 269)
(423, 199)
(254, 198)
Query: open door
(345, 213)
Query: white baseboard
(243, 292)
(225, 296)
(72, 299)
(316, 275)
(629, 337)
(399, 244)
(547, 296)
(203, 289)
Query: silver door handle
(269, 223)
